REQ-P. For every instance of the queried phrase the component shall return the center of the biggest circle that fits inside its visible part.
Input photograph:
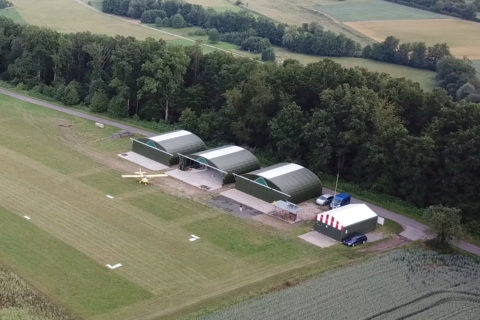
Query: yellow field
(462, 36)
(71, 16)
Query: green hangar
(283, 181)
(222, 161)
(165, 148)
(341, 222)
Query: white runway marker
(193, 238)
(27, 217)
(118, 265)
(110, 197)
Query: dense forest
(465, 9)
(384, 134)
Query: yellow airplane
(142, 177)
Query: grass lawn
(426, 78)
(52, 174)
(12, 13)
(460, 35)
(367, 10)
(476, 64)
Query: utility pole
(336, 184)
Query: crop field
(71, 16)
(413, 284)
(460, 35)
(425, 78)
(367, 10)
(18, 300)
(57, 170)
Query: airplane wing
(155, 175)
(131, 176)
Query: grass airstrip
(52, 170)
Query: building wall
(154, 154)
(328, 230)
(363, 227)
(252, 188)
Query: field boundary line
(136, 22)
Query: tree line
(464, 9)
(241, 28)
(384, 134)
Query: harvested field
(460, 35)
(413, 284)
(368, 10)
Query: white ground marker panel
(27, 217)
(110, 196)
(193, 238)
(118, 265)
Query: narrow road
(412, 229)
(75, 113)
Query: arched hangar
(283, 181)
(223, 161)
(165, 148)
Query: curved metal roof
(347, 215)
(175, 142)
(231, 159)
(290, 178)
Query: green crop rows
(408, 283)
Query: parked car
(324, 199)
(341, 199)
(354, 239)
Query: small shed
(165, 148)
(223, 161)
(283, 181)
(341, 222)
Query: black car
(355, 239)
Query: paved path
(76, 113)
(413, 230)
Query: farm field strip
(371, 10)
(460, 35)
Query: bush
(177, 21)
(268, 54)
(71, 94)
(99, 102)
(150, 16)
(213, 35)
(165, 22)
(117, 107)
(255, 44)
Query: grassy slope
(13, 14)
(63, 249)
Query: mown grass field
(460, 35)
(405, 284)
(58, 177)
(368, 10)
(12, 14)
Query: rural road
(75, 113)
(412, 229)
